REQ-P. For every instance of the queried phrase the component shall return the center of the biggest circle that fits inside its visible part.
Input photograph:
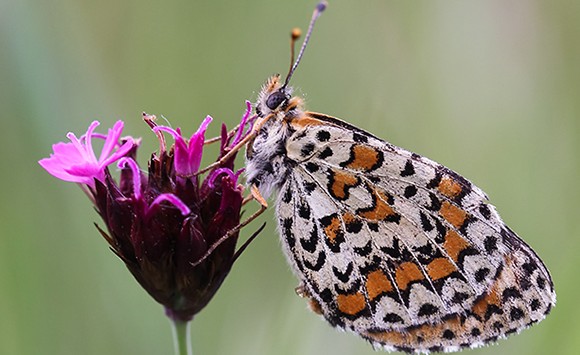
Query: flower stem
(181, 337)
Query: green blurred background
(488, 88)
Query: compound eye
(275, 99)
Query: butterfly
(386, 243)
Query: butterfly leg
(263, 205)
(255, 130)
(218, 138)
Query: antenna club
(296, 33)
(319, 8)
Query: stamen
(150, 120)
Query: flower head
(176, 234)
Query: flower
(187, 154)
(76, 161)
(175, 231)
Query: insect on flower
(388, 244)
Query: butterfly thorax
(266, 159)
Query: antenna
(317, 12)
(294, 35)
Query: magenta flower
(175, 231)
(76, 161)
(187, 154)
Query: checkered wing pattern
(388, 244)
(398, 248)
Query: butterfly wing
(398, 248)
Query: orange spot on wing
(365, 158)
(423, 336)
(440, 268)
(454, 244)
(333, 229)
(351, 304)
(406, 273)
(342, 181)
(503, 280)
(449, 187)
(453, 214)
(480, 307)
(377, 283)
(305, 120)
(389, 337)
(381, 210)
(348, 218)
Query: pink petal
(112, 140)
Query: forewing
(399, 248)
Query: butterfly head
(276, 97)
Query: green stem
(181, 337)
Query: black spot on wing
(287, 195)
(434, 183)
(304, 211)
(327, 152)
(481, 274)
(323, 135)
(343, 276)
(374, 179)
(365, 250)
(357, 137)
(448, 334)
(410, 191)
(490, 244)
(392, 318)
(509, 293)
(409, 169)
(425, 222)
(287, 224)
(441, 231)
(435, 203)
(354, 226)
(310, 244)
(311, 167)
(427, 309)
(307, 149)
(309, 187)
(318, 264)
(484, 210)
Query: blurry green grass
(488, 88)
